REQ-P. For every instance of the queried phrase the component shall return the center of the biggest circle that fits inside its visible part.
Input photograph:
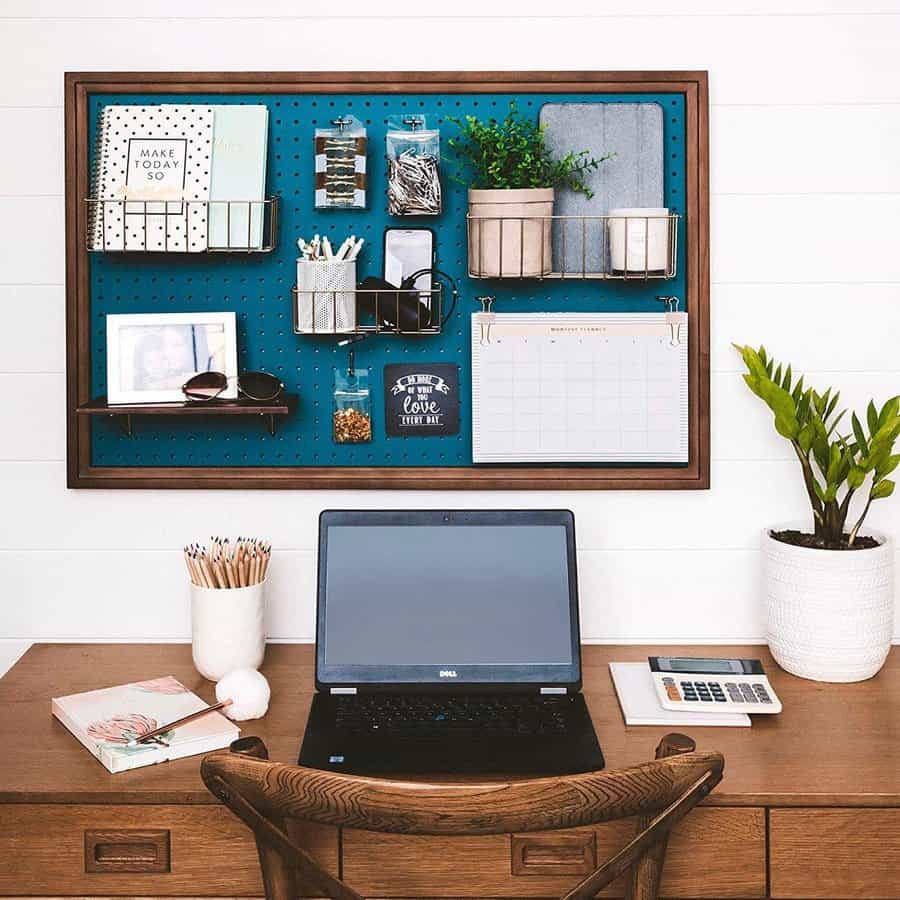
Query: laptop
(448, 642)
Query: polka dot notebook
(151, 178)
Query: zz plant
(835, 466)
(513, 153)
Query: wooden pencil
(226, 563)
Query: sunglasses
(258, 386)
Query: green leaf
(835, 422)
(752, 382)
(798, 390)
(753, 361)
(777, 376)
(889, 410)
(856, 477)
(859, 434)
(887, 466)
(802, 404)
(786, 384)
(818, 489)
(781, 403)
(886, 434)
(872, 417)
(834, 401)
(834, 462)
(805, 438)
(818, 402)
(882, 489)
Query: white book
(238, 177)
(151, 178)
(107, 720)
(641, 706)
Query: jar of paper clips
(413, 150)
(352, 406)
(227, 604)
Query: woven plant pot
(829, 613)
(509, 232)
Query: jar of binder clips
(340, 159)
(352, 406)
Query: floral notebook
(106, 721)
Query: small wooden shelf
(242, 407)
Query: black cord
(410, 281)
(408, 284)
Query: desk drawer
(199, 850)
(820, 853)
(716, 852)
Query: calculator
(712, 685)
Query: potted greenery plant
(829, 591)
(512, 178)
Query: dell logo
(448, 673)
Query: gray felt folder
(634, 132)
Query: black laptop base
(445, 747)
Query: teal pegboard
(257, 287)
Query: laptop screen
(447, 598)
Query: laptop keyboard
(429, 716)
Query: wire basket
(412, 312)
(181, 226)
(626, 247)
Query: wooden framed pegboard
(190, 452)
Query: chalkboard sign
(421, 399)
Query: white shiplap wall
(805, 123)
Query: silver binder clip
(673, 320)
(486, 318)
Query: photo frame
(150, 356)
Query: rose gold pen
(182, 721)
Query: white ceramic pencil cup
(227, 629)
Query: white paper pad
(641, 706)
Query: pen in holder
(326, 296)
(227, 605)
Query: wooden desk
(809, 807)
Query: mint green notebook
(240, 137)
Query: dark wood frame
(81, 474)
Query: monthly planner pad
(579, 387)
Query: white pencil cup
(326, 296)
(227, 629)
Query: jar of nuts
(352, 416)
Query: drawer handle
(574, 853)
(126, 850)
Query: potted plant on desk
(829, 591)
(513, 176)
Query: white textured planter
(509, 232)
(829, 613)
(227, 629)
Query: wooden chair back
(659, 793)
